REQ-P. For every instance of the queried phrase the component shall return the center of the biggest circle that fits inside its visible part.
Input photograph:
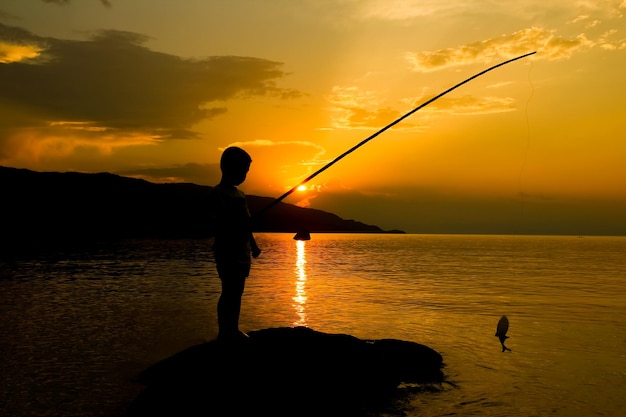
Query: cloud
(111, 85)
(28, 145)
(14, 53)
(473, 105)
(355, 108)
(547, 44)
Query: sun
(301, 188)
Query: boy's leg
(229, 305)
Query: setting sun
(301, 188)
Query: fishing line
(526, 151)
(390, 125)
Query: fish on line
(503, 327)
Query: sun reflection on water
(300, 296)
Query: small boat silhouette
(302, 235)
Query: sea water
(77, 325)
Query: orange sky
(155, 89)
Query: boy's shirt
(231, 221)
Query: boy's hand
(255, 251)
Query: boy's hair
(234, 156)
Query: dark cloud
(18, 36)
(112, 83)
(104, 2)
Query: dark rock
(285, 372)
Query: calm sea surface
(77, 326)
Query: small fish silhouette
(503, 327)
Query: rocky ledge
(288, 372)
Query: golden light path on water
(300, 296)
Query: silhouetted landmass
(289, 372)
(71, 206)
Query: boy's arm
(256, 251)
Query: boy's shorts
(233, 269)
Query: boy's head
(234, 163)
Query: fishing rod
(390, 125)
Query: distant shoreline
(75, 207)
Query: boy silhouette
(234, 242)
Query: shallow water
(77, 326)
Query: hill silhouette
(71, 206)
